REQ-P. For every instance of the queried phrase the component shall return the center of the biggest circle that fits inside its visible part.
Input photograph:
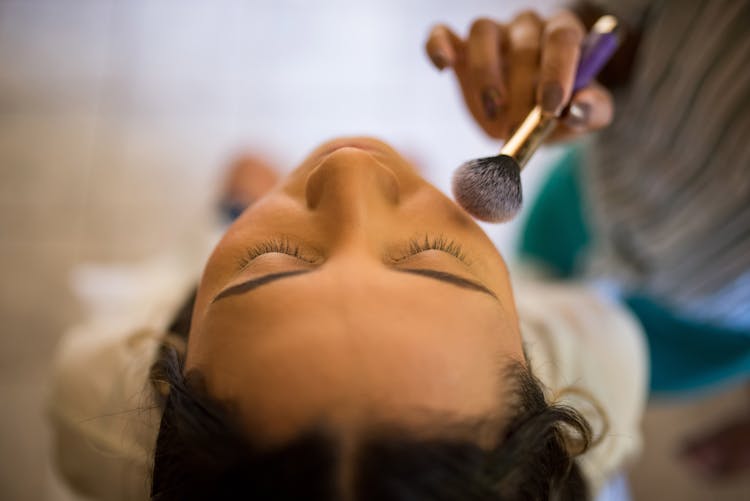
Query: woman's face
(354, 292)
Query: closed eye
(431, 242)
(414, 246)
(281, 245)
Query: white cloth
(577, 339)
(105, 420)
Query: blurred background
(117, 118)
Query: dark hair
(202, 452)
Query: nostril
(351, 173)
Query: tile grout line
(97, 134)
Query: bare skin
(355, 327)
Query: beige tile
(21, 94)
(40, 223)
(55, 487)
(127, 232)
(149, 187)
(24, 437)
(35, 302)
(140, 94)
(185, 38)
(152, 180)
(53, 54)
(36, 37)
(154, 158)
(659, 475)
(45, 159)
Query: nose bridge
(350, 187)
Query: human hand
(506, 69)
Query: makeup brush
(490, 188)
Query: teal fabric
(685, 355)
(555, 233)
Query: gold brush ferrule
(530, 134)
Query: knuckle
(567, 18)
(525, 33)
(433, 44)
(434, 32)
(564, 36)
(439, 33)
(482, 26)
(441, 30)
(527, 17)
(523, 39)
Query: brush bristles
(489, 188)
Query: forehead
(313, 345)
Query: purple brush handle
(596, 50)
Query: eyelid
(281, 245)
(414, 246)
(417, 245)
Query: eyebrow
(442, 276)
(254, 283)
(449, 278)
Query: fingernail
(552, 95)
(491, 101)
(578, 115)
(440, 60)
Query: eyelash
(280, 245)
(440, 243)
(413, 247)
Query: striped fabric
(669, 181)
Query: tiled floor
(658, 475)
(115, 117)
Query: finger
(591, 108)
(524, 47)
(483, 59)
(561, 47)
(443, 46)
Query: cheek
(267, 219)
(433, 201)
(495, 271)
(221, 264)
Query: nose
(352, 184)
